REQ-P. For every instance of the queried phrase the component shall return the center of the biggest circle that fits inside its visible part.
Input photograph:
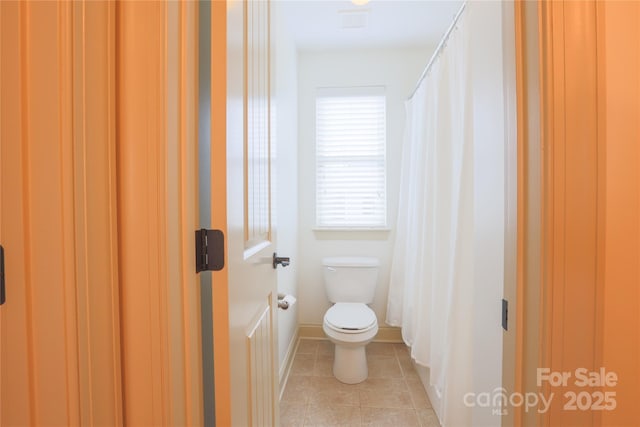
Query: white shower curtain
(431, 288)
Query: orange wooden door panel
(97, 213)
(96, 245)
(157, 170)
(14, 362)
(59, 360)
(219, 166)
(140, 176)
(571, 197)
(619, 24)
(38, 320)
(590, 77)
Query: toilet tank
(350, 279)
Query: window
(351, 158)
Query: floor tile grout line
(306, 411)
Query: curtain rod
(443, 41)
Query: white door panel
(251, 233)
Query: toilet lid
(350, 316)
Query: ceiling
(331, 24)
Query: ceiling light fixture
(359, 2)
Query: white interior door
(251, 231)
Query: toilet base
(350, 364)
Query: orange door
(590, 239)
(571, 198)
(619, 30)
(157, 178)
(218, 203)
(59, 339)
(97, 214)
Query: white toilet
(350, 324)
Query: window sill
(336, 233)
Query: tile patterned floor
(392, 395)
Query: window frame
(346, 92)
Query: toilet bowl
(349, 323)
(350, 326)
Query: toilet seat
(350, 318)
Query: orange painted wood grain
(590, 66)
(620, 64)
(219, 208)
(59, 359)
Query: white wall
(396, 69)
(285, 135)
(511, 188)
(490, 132)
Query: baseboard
(385, 333)
(285, 368)
(434, 395)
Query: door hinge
(209, 250)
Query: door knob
(283, 261)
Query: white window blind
(351, 158)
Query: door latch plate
(3, 296)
